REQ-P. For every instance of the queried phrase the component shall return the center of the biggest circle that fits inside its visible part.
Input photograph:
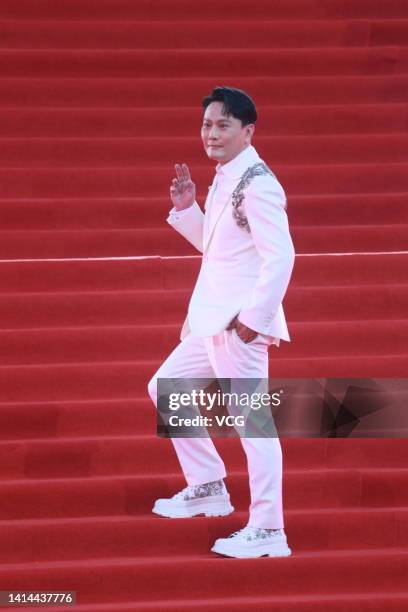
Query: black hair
(236, 103)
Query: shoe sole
(279, 551)
(207, 509)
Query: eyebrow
(219, 120)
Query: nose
(213, 134)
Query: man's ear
(250, 129)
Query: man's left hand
(245, 333)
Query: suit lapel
(207, 204)
(211, 223)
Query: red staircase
(98, 100)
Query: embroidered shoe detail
(254, 533)
(216, 487)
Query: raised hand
(182, 190)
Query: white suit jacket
(242, 273)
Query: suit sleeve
(265, 209)
(189, 223)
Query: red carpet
(98, 101)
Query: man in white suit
(234, 314)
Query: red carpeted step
(149, 212)
(150, 536)
(127, 122)
(136, 454)
(327, 572)
(338, 602)
(141, 92)
(183, 10)
(208, 62)
(130, 417)
(130, 455)
(90, 275)
(147, 150)
(304, 179)
(165, 273)
(137, 416)
(139, 33)
(110, 380)
(388, 32)
(107, 308)
(122, 122)
(138, 342)
(63, 496)
(130, 34)
(44, 244)
(81, 418)
(69, 309)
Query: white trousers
(227, 356)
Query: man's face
(223, 136)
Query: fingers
(183, 180)
(245, 333)
(246, 337)
(182, 171)
(186, 172)
(175, 186)
(179, 172)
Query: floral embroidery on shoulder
(238, 195)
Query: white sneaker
(253, 542)
(210, 499)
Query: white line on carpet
(166, 257)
